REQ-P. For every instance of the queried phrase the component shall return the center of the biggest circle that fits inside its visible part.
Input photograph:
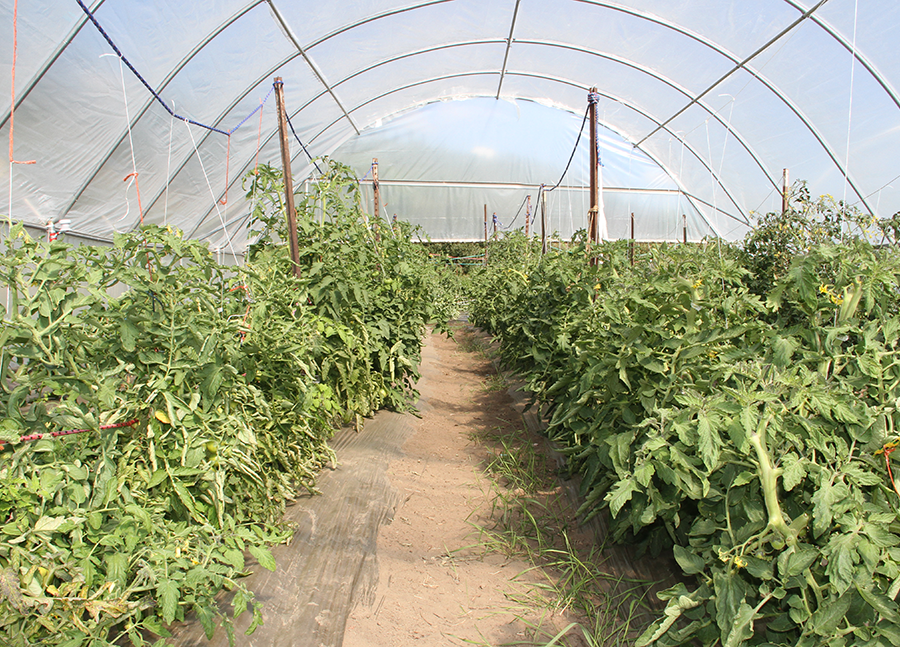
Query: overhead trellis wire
(149, 87)
(302, 145)
(574, 148)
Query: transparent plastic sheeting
(709, 98)
(489, 160)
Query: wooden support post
(631, 251)
(288, 179)
(684, 226)
(785, 192)
(543, 220)
(527, 216)
(376, 218)
(494, 218)
(593, 227)
(485, 235)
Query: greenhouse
(561, 322)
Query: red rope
(224, 200)
(887, 460)
(69, 432)
(12, 105)
(887, 450)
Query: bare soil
(437, 583)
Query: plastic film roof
(703, 103)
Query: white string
(169, 167)
(130, 140)
(681, 180)
(712, 178)
(850, 106)
(878, 191)
(722, 163)
(569, 196)
(213, 195)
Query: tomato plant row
(238, 376)
(736, 418)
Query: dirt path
(436, 583)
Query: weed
(531, 517)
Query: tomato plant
(744, 433)
(236, 378)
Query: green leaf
(48, 524)
(117, 568)
(793, 471)
(879, 536)
(168, 595)
(689, 562)
(234, 557)
(621, 494)
(783, 350)
(674, 609)
(730, 592)
(708, 442)
(885, 606)
(644, 473)
(842, 559)
(73, 642)
(799, 561)
(263, 555)
(742, 626)
(828, 616)
(129, 334)
(239, 602)
(744, 478)
(207, 619)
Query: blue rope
(300, 142)
(255, 110)
(147, 85)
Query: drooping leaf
(264, 556)
(168, 595)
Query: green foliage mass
(236, 376)
(742, 430)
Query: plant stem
(768, 477)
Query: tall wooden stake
(288, 179)
(494, 217)
(485, 235)
(527, 216)
(593, 228)
(543, 220)
(785, 191)
(632, 238)
(684, 226)
(376, 222)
